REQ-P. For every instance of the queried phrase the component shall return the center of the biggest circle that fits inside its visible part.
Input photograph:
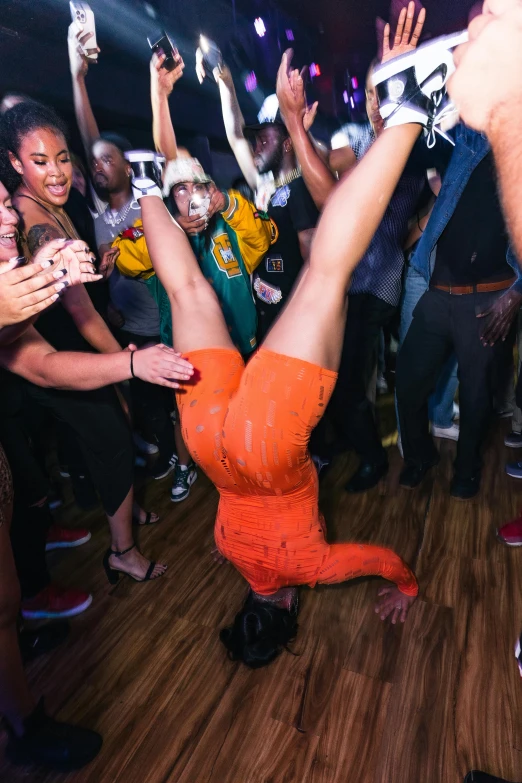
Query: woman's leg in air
(197, 318)
(311, 327)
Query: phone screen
(199, 206)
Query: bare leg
(16, 702)
(183, 453)
(311, 327)
(197, 319)
(121, 538)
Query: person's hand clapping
(163, 81)
(488, 84)
(405, 40)
(78, 61)
(72, 258)
(161, 365)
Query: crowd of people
(145, 310)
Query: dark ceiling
(337, 34)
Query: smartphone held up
(164, 46)
(83, 17)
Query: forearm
(316, 174)
(234, 124)
(162, 127)
(96, 332)
(37, 361)
(85, 119)
(506, 143)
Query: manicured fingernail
(59, 273)
(59, 286)
(46, 264)
(54, 297)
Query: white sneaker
(450, 433)
(143, 446)
(147, 169)
(411, 88)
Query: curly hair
(15, 124)
(261, 631)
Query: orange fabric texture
(248, 428)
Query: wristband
(132, 364)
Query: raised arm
(292, 103)
(79, 66)
(234, 124)
(161, 85)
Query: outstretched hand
(405, 40)
(161, 365)
(290, 90)
(393, 603)
(72, 258)
(77, 42)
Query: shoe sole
(512, 475)
(503, 540)
(179, 498)
(445, 437)
(405, 61)
(513, 445)
(30, 615)
(164, 475)
(518, 650)
(68, 544)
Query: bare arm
(234, 124)
(88, 321)
(292, 103)
(161, 85)
(342, 160)
(37, 361)
(305, 242)
(82, 106)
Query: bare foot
(394, 603)
(139, 515)
(135, 564)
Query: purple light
(355, 82)
(352, 103)
(251, 82)
(345, 97)
(315, 70)
(260, 27)
(289, 35)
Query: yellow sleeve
(254, 231)
(134, 259)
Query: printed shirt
(380, 269)
(238, 243)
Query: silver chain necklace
(115, 220)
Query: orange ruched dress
(248, 428)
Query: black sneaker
(39, 641)
(465, 489)
(413, 474)
(482, 777)
(147, 170)
(164, 466)
(366, 477)
(60, 746)
(184, 477)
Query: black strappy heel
(113, 574)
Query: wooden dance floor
(360, 702)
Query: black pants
(444, 323)
(151, 404)
(103, 433)
(350, 410)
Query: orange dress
(248, 428)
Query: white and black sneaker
(164, 466)
(147, 171)
(184, 477)
(411, 88)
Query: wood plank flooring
(362, 702)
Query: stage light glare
(355, 82)
(260, 27)
(345, 96)
(251, 82)
(289, 35)
(315, 70)
(203, 42)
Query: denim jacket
(470, 149)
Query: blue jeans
(441, 401)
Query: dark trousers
(151, 404)
(442, 324)
(350, 411)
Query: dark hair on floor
(15, 124)
(261, 631)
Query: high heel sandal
(113, 574)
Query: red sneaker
(66, 537)
(53, 602)
(511, 534)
